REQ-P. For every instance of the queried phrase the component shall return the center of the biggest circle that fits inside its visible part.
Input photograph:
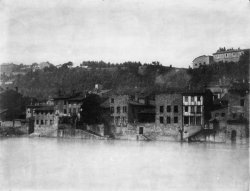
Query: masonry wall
(235, 107)
(121, 117)
(202, 60)
(242, 132)
(164, 121)
(233, 56)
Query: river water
(76, 164)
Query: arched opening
(140, 130)
(233, 135)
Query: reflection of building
(169, 112)
(202, 60)
(228, 55)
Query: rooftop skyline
(171, 32)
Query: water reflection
(47, 163)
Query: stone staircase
(190, 132)
(142, 137)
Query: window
(161, 109)
(242, 102)
(112, 100)
(169, 108)
(198, 120)
(124, 109)
(234, 115)
(168, 120)
(124, 121)
(64, 111)
(65, 102)
(69, 110)
(198, 98)
(186, 108)
(51, 122)
(117, 121)
(112, 109)
(192, 109)
(223, 114)
(198, 109)
(186, 120)
(118, 109)
(37, 122)
(176, 108)
(192, 98)
(192, 122)
(161, 119)
(186, 98)
(175, 119)
(41, 122)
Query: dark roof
(225, 97)
(105, 104)
(42, 107)
(47, 108)
(136, 103)
(227, 51)
(202, 56)
(193, 93)
(79, 98)
(3, 110)
(148, 111)
(220, 108)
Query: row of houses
(165, 116)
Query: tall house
(238, 104)
(193, 109)
(131, 109)
(169, 111)
(44, 116)
(68, 105)
(119, 109)
(228, 55)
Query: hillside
(126, 77)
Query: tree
(15, 104)
(91, 110)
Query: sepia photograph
(124, 95)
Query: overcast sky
(170, 31)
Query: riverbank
(12, 131)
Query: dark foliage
(15, 104)
(92, 112)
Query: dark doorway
(31, 125)
(233, 135)
(140, 130)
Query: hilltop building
(202, 60)
(227, 55)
